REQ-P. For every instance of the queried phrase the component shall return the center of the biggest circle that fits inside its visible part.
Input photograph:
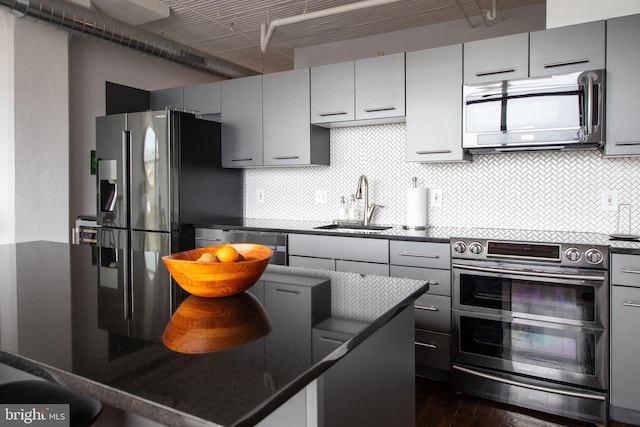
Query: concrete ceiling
(230, 29)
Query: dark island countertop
(59, 322)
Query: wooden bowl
(205, 325)
(218, 279)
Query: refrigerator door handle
(126, 172)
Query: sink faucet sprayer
(368, 211)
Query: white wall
(7, 181)
(569, 12)
(515, 20)
(92, 62)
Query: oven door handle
(530, 273)
(529, 386)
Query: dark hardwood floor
(438, 406)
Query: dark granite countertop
(59, 322)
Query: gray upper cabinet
(380, 87)
(241, 105)
(333, 93)
(289, 137)
(204, 99)
(623, 90)
(499, 58)
(434, 110)
(172, 98)
(567, 49)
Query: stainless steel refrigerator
(158, 174)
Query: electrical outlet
(609, 200)
(321, 197)
(435, 197)
(260, 195)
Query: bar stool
(83, 410)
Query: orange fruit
(227, 254)
(207, 257)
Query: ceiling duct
(78, 19)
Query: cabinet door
(433, 313)
(433, 349)
(625, 347)
(241, 108)
(167, 98)
(623, 90)
(420, 254)
(439, 280)
(434, 105)
(289, 138)
(625, 270)
(333, 93)
(380, 87)
(499, 58)
(567, 49)
(203, 98)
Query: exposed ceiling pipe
(267, 30)
(78, 19)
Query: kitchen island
(343, 354)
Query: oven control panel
(564, 254)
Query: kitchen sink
(354, 228)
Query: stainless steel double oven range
(531, 325)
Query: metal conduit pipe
(78, 19)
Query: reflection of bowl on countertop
(218, 279)
(204, 325)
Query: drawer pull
(422, 344)
(286, 157)
(287, 291)
(415, 255)
(432, 283)
(630, 271)
(424, 307)
(433, 152)
(627, 143)
(248, 159)
(331, 340)
(631, 304)
(491, 73)
(375, 110)
(564, 63)
(336, 113)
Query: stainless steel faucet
(368, 209)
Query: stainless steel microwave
(559, 112)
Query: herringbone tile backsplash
(557, 191)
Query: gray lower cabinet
(241, 117)
(430, 262)
(332, 333)
(625, 341)
(289, 137)
(498, 58)
(567, 49)
(623, 90)
(350, 254)
(380, 88)
(434, 105)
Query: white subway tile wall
(557, 191)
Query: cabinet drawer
(309, 262)
(433, 349)
(363, 267)
(420, 254)
(625, 270)
(439, 280)
(625, 346)
(338, 247)
(433, 312)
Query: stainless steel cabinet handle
(433, 152)
(563, 63)
(428, 308)
(248, 159)
(285, 157)
(631, 304)
(529, 386)
(287, 291)
(416, 255)
(422, 344)
(335, 113)
(627, 143)
(374, 110)
(331, 340)
(630, 271)
(432, 283)
(490, 73)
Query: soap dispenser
(354, 212)
(342, 209)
